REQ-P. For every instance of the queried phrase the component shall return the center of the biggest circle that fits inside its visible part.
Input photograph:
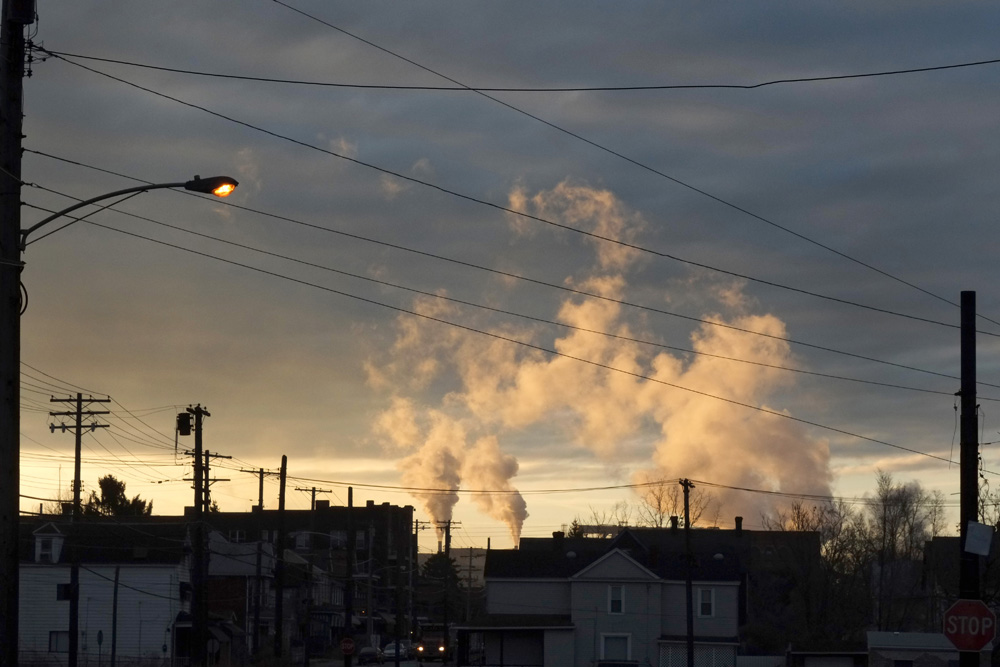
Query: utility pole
(74, 569)
(16, 15)
(688, 583)
(279, 566)
(255, 642)
(260, 487)
(199, 569)
(312, 504)
(210, 480)
(349, 583)
(969, 588)
(447, 596)
(468, 586)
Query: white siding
(148, 603)
(528, 597)
(724, 622)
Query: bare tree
(898, 521)
(661, 498)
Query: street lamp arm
(220, 186)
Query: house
(384, 566)
(134, 590)
(240, 591)
(623, 601)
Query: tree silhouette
(114, 502)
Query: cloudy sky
(552, 291)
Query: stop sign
(970, 625)
(347, 646)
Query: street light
(220, 186)
(12, 243)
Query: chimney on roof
(557, 540)
(370, 503)
(674, 521)
(322, 505)
(739, 526)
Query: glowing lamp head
(220, 186)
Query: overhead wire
(522, 89)
(635, 162)
(522, 214)
(566, 325)
(505, 274)
(540, 348)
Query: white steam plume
(490, 391)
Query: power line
(533, 89)
(540, 348)
(528, 216)
(505, 274)
(635, 162)
(541, 320)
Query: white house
(606, 603)
(133, 589)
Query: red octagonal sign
(970, 625)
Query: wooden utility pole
(74, 569)
(279, 566)
(688, 583)
(16, 15)
(349, 582)
(968, 573)
(209, 480)
(199, 566)
(314, 490)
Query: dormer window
(44, 550)
(47, 548)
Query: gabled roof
(717, 555)
(550, 564)
(48, 528)
(623, 558)
(111, 541)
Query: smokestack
(439, 546)
(739, 526)
(674, 523)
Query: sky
(508, 308)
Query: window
(237, 536)
(616, 599)
(45, 550)
(63, 591)
(706, 602)
(615, 647)
(59, 641)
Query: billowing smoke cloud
(487, 468)
(468, 394)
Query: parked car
(370, 655)
(404, 649)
